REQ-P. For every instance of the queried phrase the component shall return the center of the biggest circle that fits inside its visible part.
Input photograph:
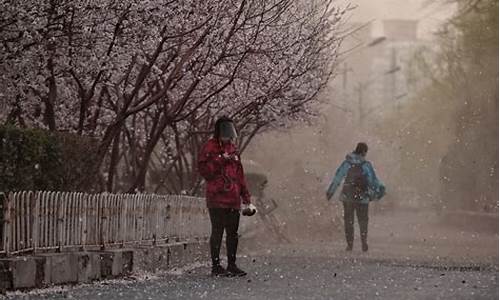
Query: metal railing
(36, 221)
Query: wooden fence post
(94, 233)
(3, 203)
(84, 212)
(35, 219)
(143, 207)
(7, 218)
(181, 218)
(103, 220)
(156, 219)
(60, 203)
(123, 219)
(135, 200)
(19, 215)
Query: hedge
(35, 159)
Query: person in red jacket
(219, 163)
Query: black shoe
(233, 270)
(218, 270)
(348, 248)
(364, 247)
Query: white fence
(35, 221)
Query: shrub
(35, 159)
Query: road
(407, 260)
(275, 277)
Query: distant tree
(449, 131)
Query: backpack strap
(357, 164)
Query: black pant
(228, 219)
(362, 214)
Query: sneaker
(348, 248)
(218, 270)
(364, 247)
(233, 270)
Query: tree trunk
(113, 162)
(49, 114)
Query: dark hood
(354, 158)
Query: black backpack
(355, 183)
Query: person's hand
(381, 192)
(248, 210)
(226, 156)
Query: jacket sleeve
(209, 163)
(337, 179)
(244, 193)
(376, 189)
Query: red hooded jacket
(225, 181)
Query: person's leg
(362, 214)
(217, 221)
(232, 222)
(349, 224)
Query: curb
(49, 269)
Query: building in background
(375, 77)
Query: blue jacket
(376, 190)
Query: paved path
(411, 257)
(275, 277)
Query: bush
(35, 159)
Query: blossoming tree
(148, 78)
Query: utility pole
(360, 91)
(360, 85)
(344, 76)
(393, 76)
(345, 71)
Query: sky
(430, 13)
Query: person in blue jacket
(361, 186)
